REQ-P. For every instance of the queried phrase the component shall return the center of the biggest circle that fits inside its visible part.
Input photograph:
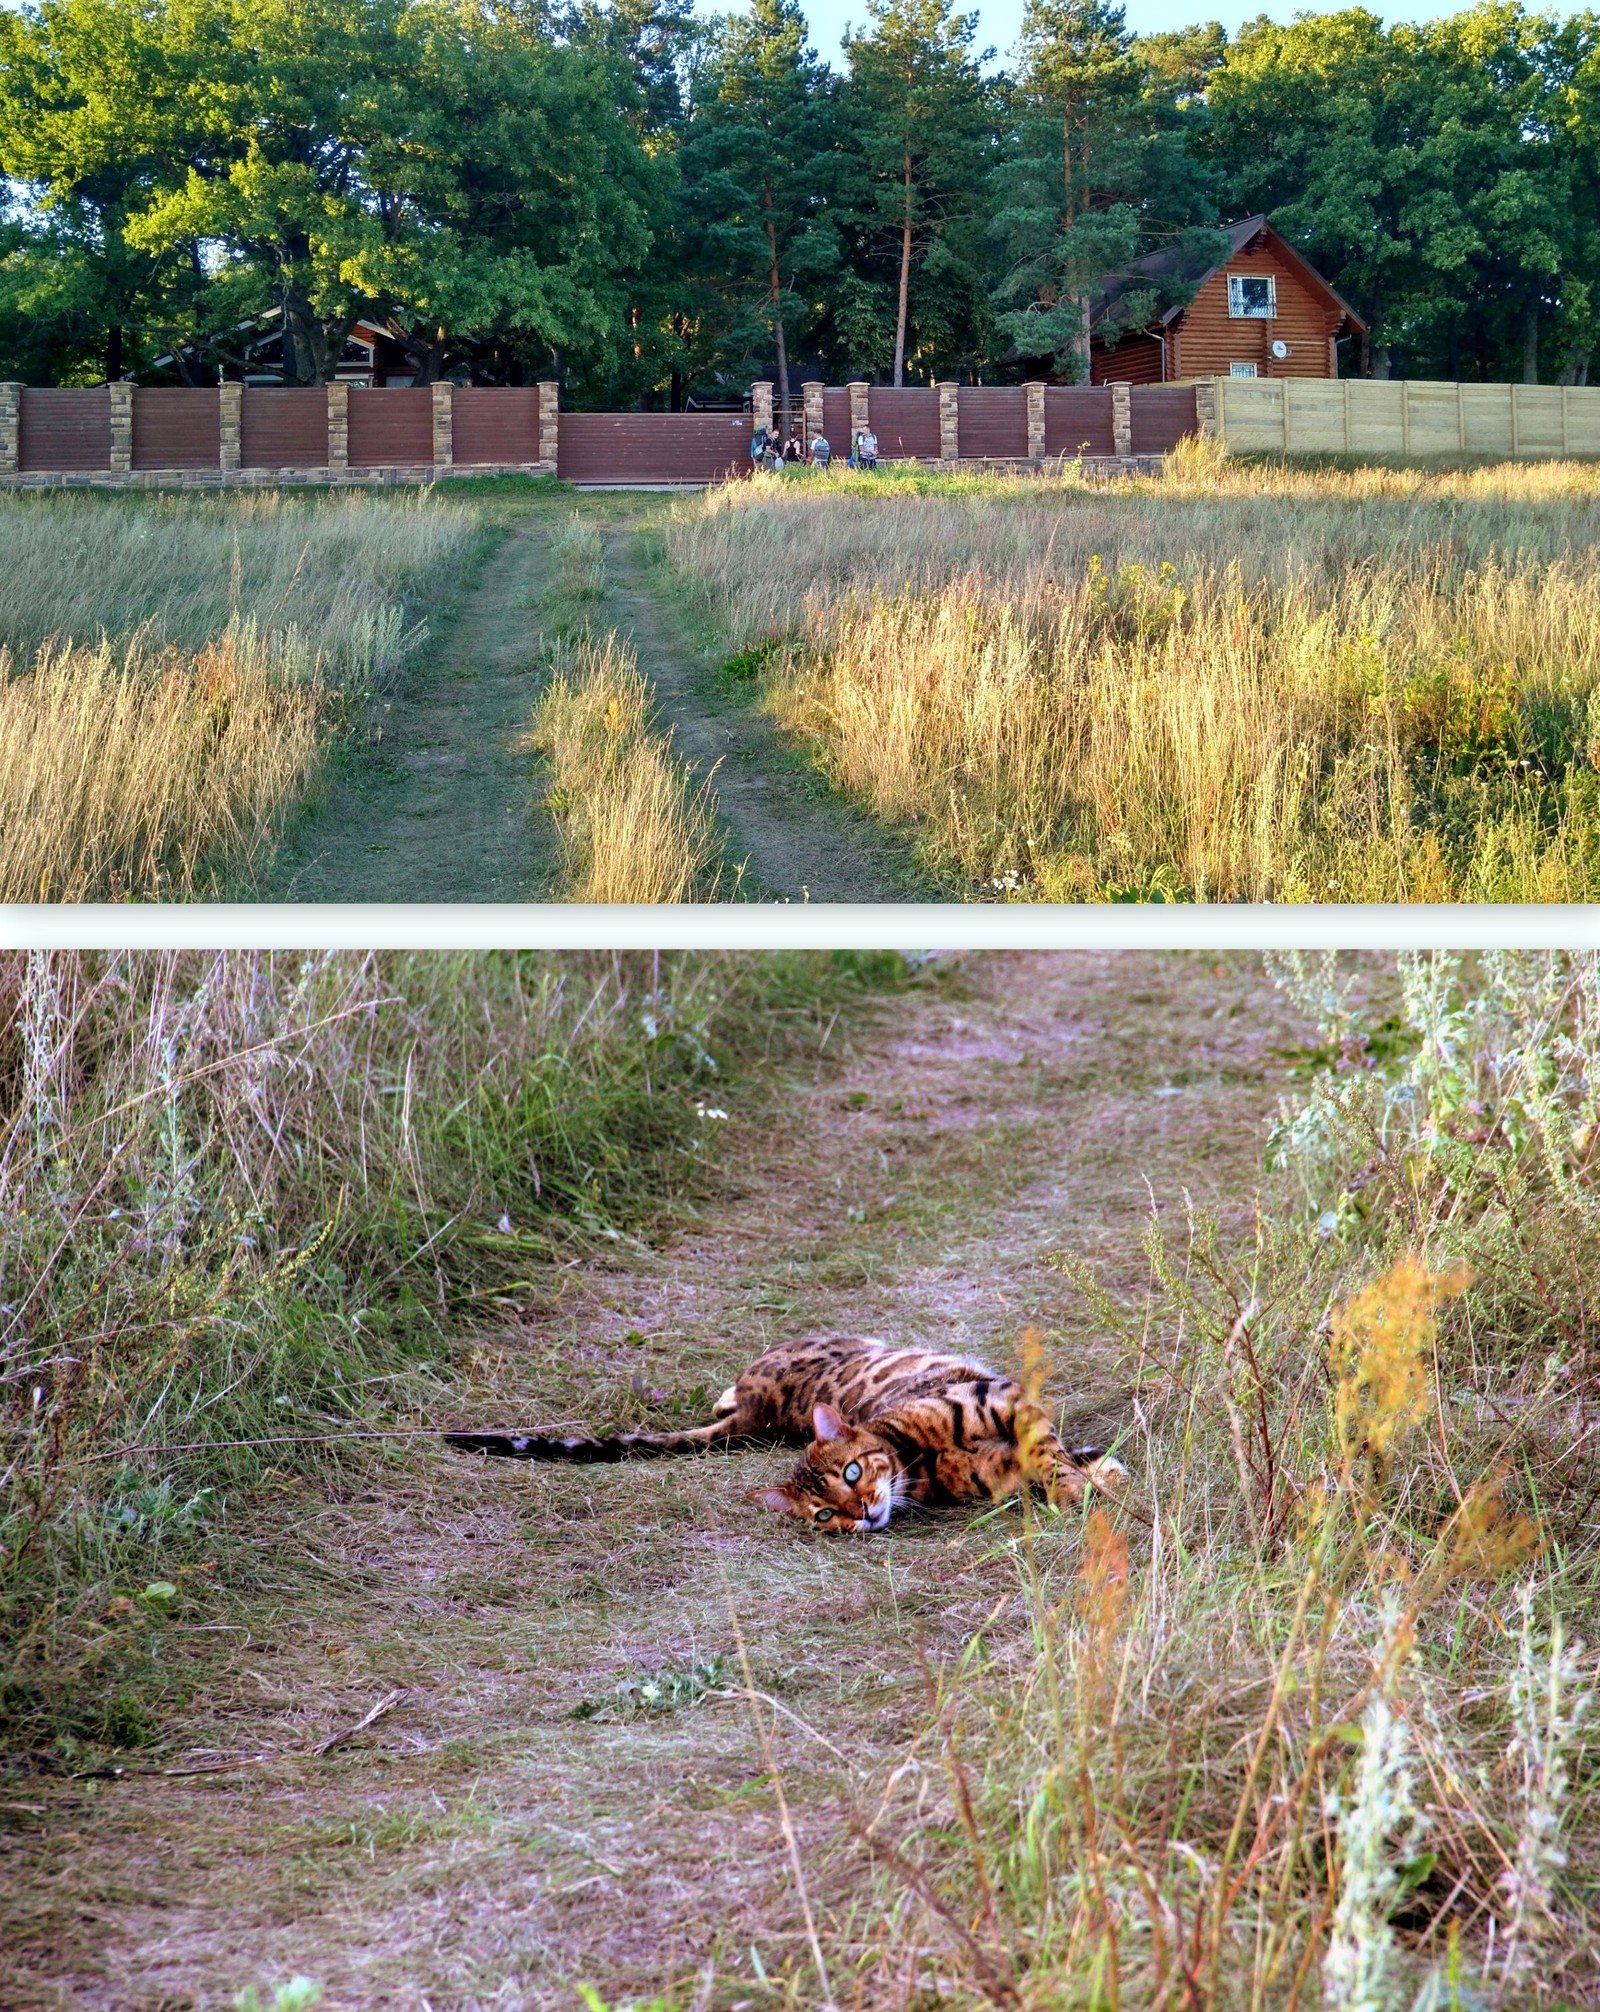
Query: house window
(1252, 299)
(1241, 370)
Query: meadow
(1311, 1718)
(173, 670)
(1243, 681)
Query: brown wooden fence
(337, 432)
(623, 447)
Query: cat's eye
(852, 1474)
(824, 1516)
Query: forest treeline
(647, 204)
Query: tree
(919, 131)
(756, 170)
(427, 164)
(1102, 173)
(1425, 170)
(1064, 227)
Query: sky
(999, 20)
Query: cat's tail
(589, 1450)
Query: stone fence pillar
(549, 422)
(121, 427)
(949, 424)
(858, 407)
(230, 427)
(338, 426)
(443, 424)
(811, 394)
(10, 428)
(1035, 397)
(761, 407)
(1122, 419)
(1206, 416)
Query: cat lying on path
(880, 1425)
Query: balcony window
(1241, 370)
(1251, 298)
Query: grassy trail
(481, 1846)
(439, 805)
(801, 841)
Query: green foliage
(300, 1994)
(649, 1697)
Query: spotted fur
(881, 1427)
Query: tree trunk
(775, 284)
(114, 355)
(905, 280)
(305, 341)
(1530, 343)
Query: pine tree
(920, 134)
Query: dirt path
(482, 1847)
(802, 842)
(442, 807)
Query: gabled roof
(1172, 263)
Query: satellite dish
(1280, 349)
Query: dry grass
(636, 825)
(1282, 685)
(165, 672)
(340, 575)
(143, 776)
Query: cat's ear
(828, 1423)
(772, 1498)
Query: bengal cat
(881, 1426)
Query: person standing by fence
(821, 452)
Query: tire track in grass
(802, 843)
(440, 804)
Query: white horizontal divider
(794, 926)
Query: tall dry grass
(1281, 686)
(1317, 1725)
(635, 823)
(167, 666)
(145, 776)
(341, 576)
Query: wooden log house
(1265, 311)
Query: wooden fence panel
(1487, 426)
(64, 431)
(1161, 414)
(653, 446)
(1407, 419)
(906, 422)
(283, 427)
(1583, 419)
(836, 421)
(391, 426)
(1077, 419)
(495, 424)
(1312, 417)
(993, 422)
(176, 429)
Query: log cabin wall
(1208, 341)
